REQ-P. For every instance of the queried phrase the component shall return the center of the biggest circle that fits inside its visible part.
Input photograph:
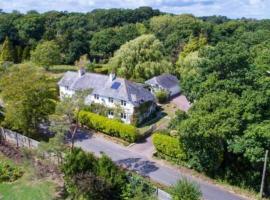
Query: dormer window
(110, 99)
(96, 96)
(123, 103)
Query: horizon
(254, 9)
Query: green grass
(28, 187)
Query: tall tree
(46, 54)
(7, 53)
(140, 59)
(28, 96)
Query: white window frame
(123, 103)
(110, 99)
(96, 96)
(111, 113)
(123, 116)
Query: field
(29, 186)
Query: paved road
(147, 167)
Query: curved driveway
(138, 162)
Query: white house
(165, 82)
(110, 91)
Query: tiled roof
(166, 81)
(117, 88)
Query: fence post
(17, 142)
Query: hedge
(108, 126)
(168, 146)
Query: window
(110, 113)
(123, 103)
(110, 100)
(96, 96)
(123, 115)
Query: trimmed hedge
(168, 146)
(108, 126)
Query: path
(139, 162)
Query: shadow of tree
(80, 135)
(144, 167)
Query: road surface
(146, 166)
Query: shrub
(9, 173)
(162, 96)
(168, 146)
(185, 190)
(108, 126)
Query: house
(112, 92)
(165, 82)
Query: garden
(31, 180)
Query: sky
(231, 8)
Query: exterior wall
(65, 92)
(128, 109)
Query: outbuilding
(166, 82)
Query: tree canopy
(140, 59)
(29, 98)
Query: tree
(185, 190)
(83, 62)
(29, 96)
(67, 112)
(46, 54)
(211, 122)
(140, 59)
(105, 42)
(87, 177)
(162, 96)
(7, 52)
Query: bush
(9, 173)
(169, 146)
(185, 190)
(108, 126)
(162, 96)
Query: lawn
(28, 187)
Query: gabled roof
(102, 85)
(165, 81)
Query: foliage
(140, 59)
(162, 96)
(212, 121)
(174, 31)
(105, 42)
(140, 111)
(179, 116)
(9, 173)
(29, 98)
(7, 51)
(169, 146)
(46, 54)
(108, 126)
(87, 177)
(186, 190)
(228, 83)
